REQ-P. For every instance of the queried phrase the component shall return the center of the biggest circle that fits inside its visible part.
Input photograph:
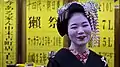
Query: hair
(62, 26)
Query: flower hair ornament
(90, 10)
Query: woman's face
(79, 29)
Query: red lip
(81, 37)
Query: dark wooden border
(117, 37)
(21, 31)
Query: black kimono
(64, 58)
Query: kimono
(64, 58)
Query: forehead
(78, 18)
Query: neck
(78, 48)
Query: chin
(82, 43)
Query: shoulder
(60, 56)
(62, 51)
(101, 58)
(95, 54)
(53, 54)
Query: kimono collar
(81, 56)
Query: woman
(77, 20)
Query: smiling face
(79, 29)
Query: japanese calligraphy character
(9, 2)
(58, 4)
(44, 58)
(33, 57)
(48, 5)
(52, 22)
(53, 5)
(40, 57)
(34, 22)
(8, 8)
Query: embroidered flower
(51, 54)
(103, 59)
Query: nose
(80, 30)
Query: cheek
(88, 31)
(71, 33)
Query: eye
(74, 27)
(85, 25)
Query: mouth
(81, 37)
